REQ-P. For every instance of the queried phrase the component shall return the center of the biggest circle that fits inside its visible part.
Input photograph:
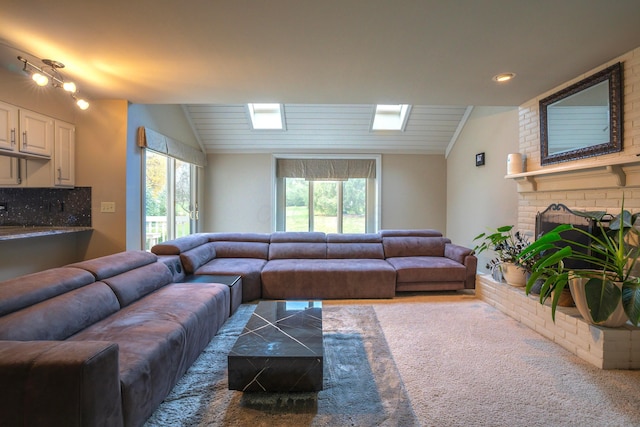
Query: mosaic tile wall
(46, 206)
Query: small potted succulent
(607, 293)
(507, 246)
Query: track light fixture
(49, 73)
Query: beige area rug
(447, 360)
(361, 383)
(464, 363)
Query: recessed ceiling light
(504, 77)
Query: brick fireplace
(597, 183)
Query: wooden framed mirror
(584, 119)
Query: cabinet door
(64, 155)
(8, 127)
(36, 133)
(10, 171)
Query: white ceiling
(362, 52)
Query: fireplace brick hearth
(605, 348)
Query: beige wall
(479, 198)
(414, 191)
(610, 199)
(239, 194)
(101, 148)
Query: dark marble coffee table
(280, 349)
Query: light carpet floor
(455, 359)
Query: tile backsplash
(45, 207)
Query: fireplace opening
(556, 214)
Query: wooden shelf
(616, 173)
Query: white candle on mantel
(514, 163)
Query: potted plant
(610, 287)
(507, 245)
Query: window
(390, 117)
(328, 195)
(266, 116)
(170, 168)
(170, 205)
(328, 206)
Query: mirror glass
(584, 119)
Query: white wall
(239, 195)
(480, 197)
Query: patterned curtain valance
(156, 141)
(326, 169)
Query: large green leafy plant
(612, 255)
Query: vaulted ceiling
(314, 55)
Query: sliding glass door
(170, 198)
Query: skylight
(390, 117)
(266, 116)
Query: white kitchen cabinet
(36, 133)
(35, 150)
(25, 133)
(64, 154)
(8, 127)
(10, 171)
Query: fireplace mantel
(617, 173)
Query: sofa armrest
(465, 257)
(456, 252)
(60, 383)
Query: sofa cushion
(232, 249)
(248, 268)
(159, 337)
(428, 269)
(413, 246)
(420, 232)
(62, 316)
(328, 278)
(194, 258)
(240, 237)
(181, 244)
(298, 245)
(355, 246)
(30, 289)
(132, 285)
(111, 265)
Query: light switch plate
(108, 207)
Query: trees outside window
(327, 206)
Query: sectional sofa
(316, 265)
(100, 342)
(103, 341)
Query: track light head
(50, 73)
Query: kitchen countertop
(23, 232)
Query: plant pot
(514, 275)
(566, 299)
(615, 320)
